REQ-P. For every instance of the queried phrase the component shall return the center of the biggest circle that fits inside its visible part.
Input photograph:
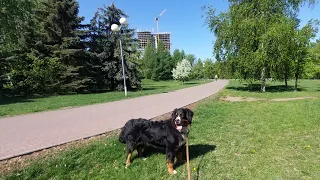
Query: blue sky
(182, 19)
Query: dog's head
(182, 117)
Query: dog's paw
(127, 165)
(174, 172)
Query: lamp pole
(203, 71)
(116, 28)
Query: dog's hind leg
(181, 155)
(140, 150)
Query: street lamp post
(203, 71)
(116, 28)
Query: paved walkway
(28, 133)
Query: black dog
(166, 134)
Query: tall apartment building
(154, 38)
(164, 37)
(144, 37)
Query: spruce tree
(148, 61)
(164, 64)
(104, 45)
(61, 30)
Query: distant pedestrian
(216, 77)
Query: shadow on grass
(195, 151)
(198, 150)
(189, 83)
(150, 88)
(273, 88)
(5, 101)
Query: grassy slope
(229, 140)
(16, 106)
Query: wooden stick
(187, 154)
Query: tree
(52, 52)
(302, 42)
(105, 48)
(148, 61)
(163, 64)
(240, 32)
(182, 71)
(312, 67)
(60, 24)
(191, 58)
(209, 70)
(178, 55)
(278, 49)
(28, 69)
(15, 15)
(197, 70)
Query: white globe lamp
(123, 21)
(115, 27)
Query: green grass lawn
(275, 89)
(228, 140)
(17, 106)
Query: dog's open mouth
(179, 128)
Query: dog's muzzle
(178, 120)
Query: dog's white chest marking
(183, 141)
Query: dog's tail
(122, 136)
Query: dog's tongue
(179, 128)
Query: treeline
(157, 63)
(258, 40)
(46, 49)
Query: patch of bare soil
(238, 99)
(249, 99)
(20, 162)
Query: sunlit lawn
(229, 140)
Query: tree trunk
(286, 82)
(263, 80)
(297, 76)
(250, 86)
(296, 83)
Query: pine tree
(105, 47)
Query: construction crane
(157, 19)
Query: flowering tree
(182, 71)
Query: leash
(187, 154)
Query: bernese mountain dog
(168, 135)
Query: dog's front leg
(181, 155)
(129, 153)
(170, 161)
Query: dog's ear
(173, 115)
(189, 114)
